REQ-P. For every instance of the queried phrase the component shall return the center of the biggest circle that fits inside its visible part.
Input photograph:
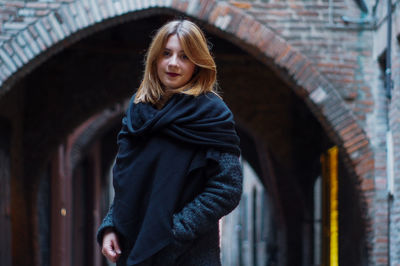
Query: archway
(229, 22)
(302, 83)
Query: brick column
(377, 126)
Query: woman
(177, 170)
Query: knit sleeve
(221, 195)
(107, 223)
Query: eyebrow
(181, 51)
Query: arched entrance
(67, 91)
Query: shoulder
(211, 102)
(211, 97)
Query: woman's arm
(221, 195)
(106, 224)
(108, 238)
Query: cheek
(190, 69)
(159, 67)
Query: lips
(172, 74)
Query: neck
(164, 98)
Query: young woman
(177, 170)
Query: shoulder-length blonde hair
(194, 45)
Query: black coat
(164, 161)
(195, 227)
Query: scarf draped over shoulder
(160, 155)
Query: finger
(111, 257)
(109, 253)
(116, 247)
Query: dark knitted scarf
(158, 151)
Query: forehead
(173, 43)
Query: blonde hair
(194, 45)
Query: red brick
(242, 5)
(307, 13)
(367, 184)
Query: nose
(173, 60)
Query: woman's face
(174, 68)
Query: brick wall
(316, 29)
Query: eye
(183, 56)
(166, 53)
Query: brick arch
(65, 23)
